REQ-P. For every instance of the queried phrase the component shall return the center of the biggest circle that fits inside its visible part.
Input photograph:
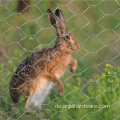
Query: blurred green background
(95, 24)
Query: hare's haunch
(35, 76)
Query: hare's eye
(67, 37)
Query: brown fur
(23, 5)
(49, 63)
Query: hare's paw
(60, 90)
(28, 111)
(73, 66)
(72, 70)
(37, 111)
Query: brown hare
(35, 76)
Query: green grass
(97, 78)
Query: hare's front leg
(59, 83)
(73, 65)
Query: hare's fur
(35, 76)
(41, 91)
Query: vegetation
(96, 80)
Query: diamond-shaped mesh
(95, 83)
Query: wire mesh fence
(92, 91)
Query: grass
(97, 78)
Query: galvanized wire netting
(95, 83)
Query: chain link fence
(93, 91)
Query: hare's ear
(57, 20)
(60, 15)
(52, 18)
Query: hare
(35, 76)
